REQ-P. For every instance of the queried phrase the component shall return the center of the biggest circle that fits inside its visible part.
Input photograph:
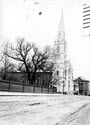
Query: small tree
(6, 64)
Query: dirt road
(79, 117)
(44, 110)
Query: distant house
(81, 86)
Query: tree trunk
(28, 73)
(34, 76)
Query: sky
(38, 22)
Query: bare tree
(6, 64)
(30, 58)
(21, 53)
(40, 60)
(1, 52)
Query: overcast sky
(38, 21)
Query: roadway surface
(35, 109)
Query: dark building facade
(81, 86)
(41, 78)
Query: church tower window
(57, 73)
(58, 49)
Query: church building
(62, 72)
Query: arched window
(65, 73)
(58, 49)
(64, 49)
(57, 73)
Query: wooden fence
(20, 87)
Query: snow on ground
(42, 109)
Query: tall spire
(61, 30)
(61, 25)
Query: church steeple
(61, 30)
(60, 55)
(61, 25)
(61, 71)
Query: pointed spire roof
(61, 30)
(61, 25)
